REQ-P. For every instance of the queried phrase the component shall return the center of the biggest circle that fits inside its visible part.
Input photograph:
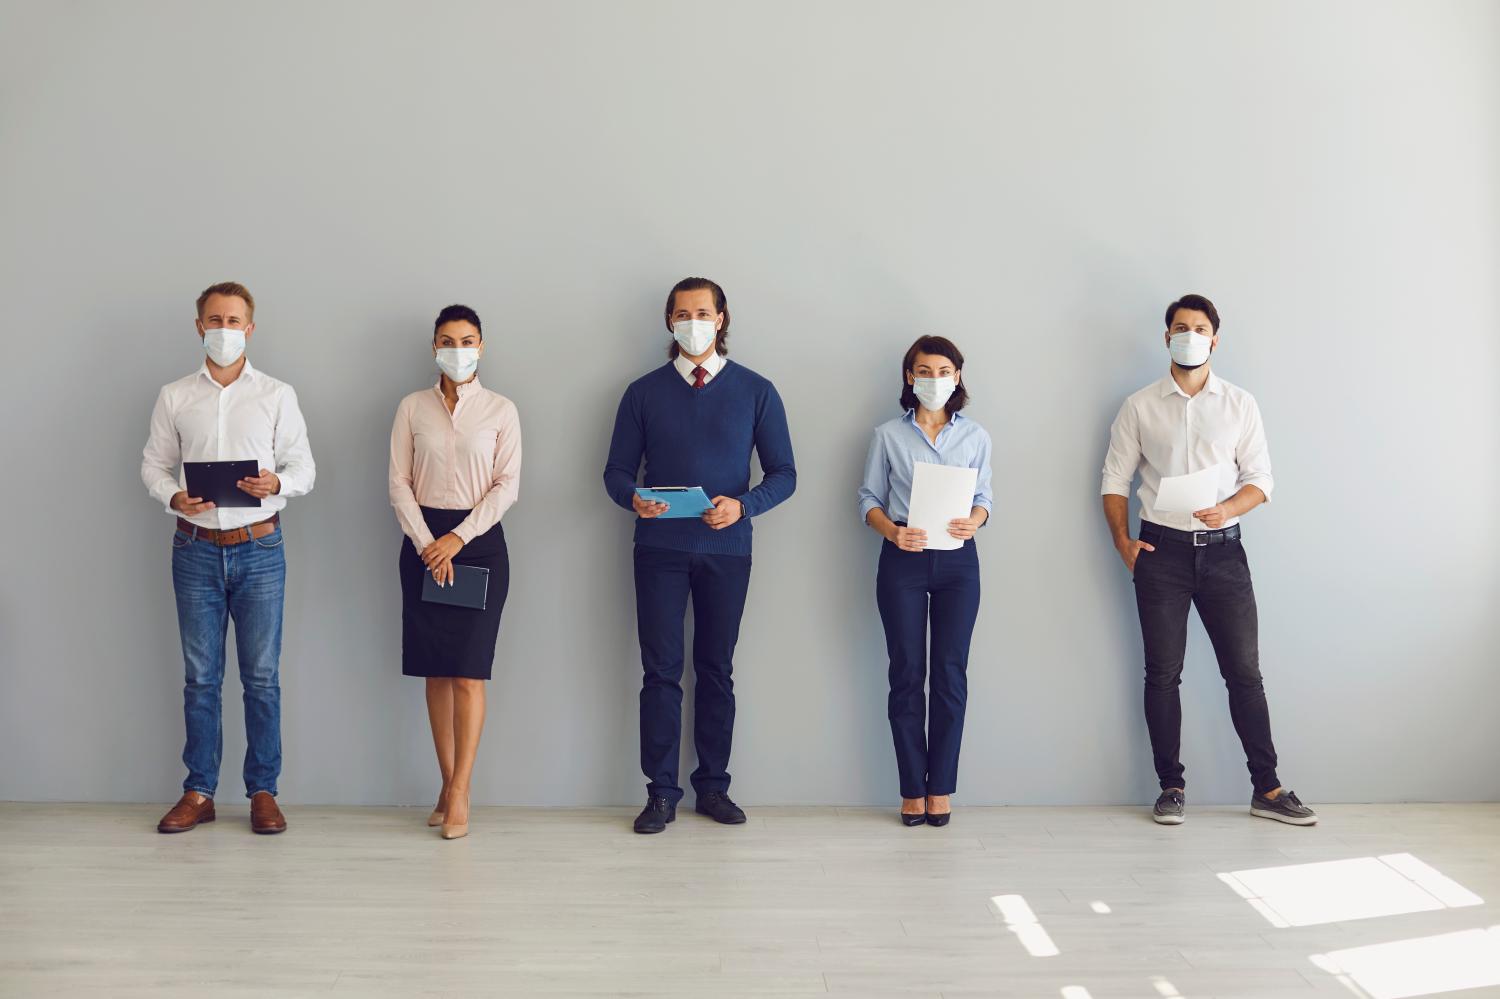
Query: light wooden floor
(799, 902)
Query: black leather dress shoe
(936, 819)
(717, 806)
(919, 819)
(655, 816)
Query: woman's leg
(440, 715)
(468, 723)
(955, 606)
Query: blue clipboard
(682, 501)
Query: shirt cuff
(1262, 482)
(463, 532)
(1112, 486)
(865, 506)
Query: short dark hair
(457, 314)
(1196, 303)
(943, 347)
(721, 304)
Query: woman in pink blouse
(455, 470)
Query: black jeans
(1215, 579)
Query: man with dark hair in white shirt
(228, 562)
(1193, 421)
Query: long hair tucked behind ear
(721, 304)
(943, 347)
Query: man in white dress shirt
(1191, 421)
(228, 562)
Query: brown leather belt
(224, 539)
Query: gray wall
(1034, 180)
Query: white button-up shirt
(712, 364)
(253, 417)
(1163, 431)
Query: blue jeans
(245, 583)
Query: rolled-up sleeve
(162, 454)
(505, 479)
(1124, 454)
(1251, 454)
(294, 460)
(983, 496)
(876, 486)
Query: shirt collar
(1169, 385)
(713, 364)
(464, 388)
(911, 417)
(248, 371)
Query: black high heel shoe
(913, 820)
(938, 819)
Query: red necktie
(699, 374)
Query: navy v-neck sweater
(701, 437)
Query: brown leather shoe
(191, 809)
(265, 817)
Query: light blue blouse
(899, 444)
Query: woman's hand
(908, 539)
(438, 557)
(964, 527)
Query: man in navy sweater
(695, 420)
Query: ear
(198, 324)
(911, 379)
(249, 329)
(958, 376)
(1213, 344)
(719, 323)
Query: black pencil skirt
(442, 640)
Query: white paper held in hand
(1188, 493)
(940, 493)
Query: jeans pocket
(272, 540)
(180, 540)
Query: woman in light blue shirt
(915, 585)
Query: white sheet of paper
(1188, 493)
(940, 493)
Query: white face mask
(224, 346)
(458, 363)
(1190, 349)
(933, 393)
(694, 336)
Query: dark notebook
(470, 585)
(214, 481)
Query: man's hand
(646, 509)
(190, 506)
(908, 539)
(262, 485)
(1130, 549)
(727, 510)
(1213, 517)
(438, 557)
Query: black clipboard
(215, 481)
(470, 587)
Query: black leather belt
(1156, 532)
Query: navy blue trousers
(717, 584)
(911, 589)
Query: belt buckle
(1202, 534)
